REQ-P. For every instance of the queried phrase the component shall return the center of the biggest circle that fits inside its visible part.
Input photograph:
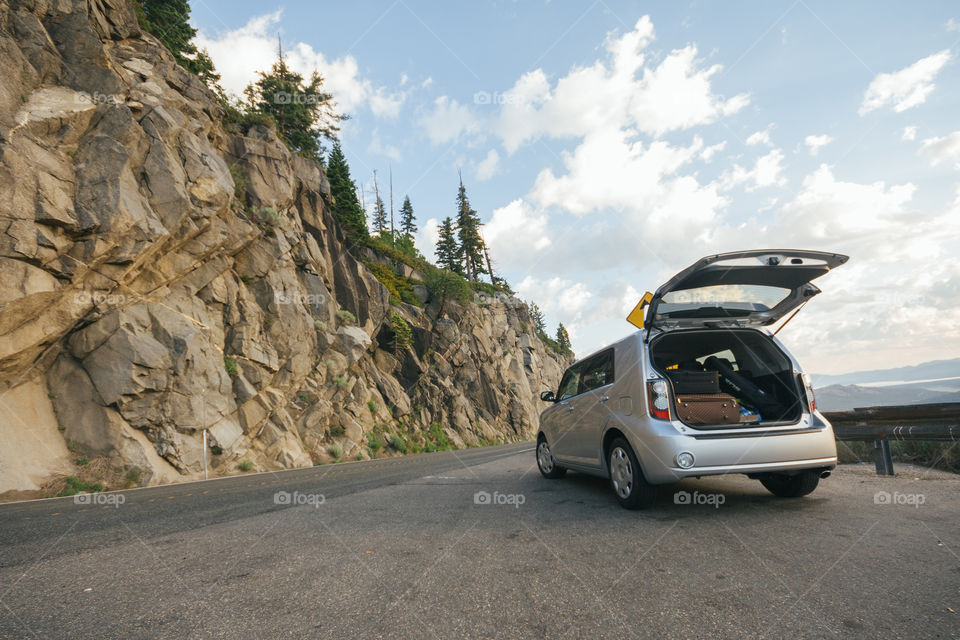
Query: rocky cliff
(161, 276)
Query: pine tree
(380, 222)
(346, 207)
(563, 339)
(470, 246)
(169, 21)
(304, 113)
(408, 226)
(447, 247)
(537, 316)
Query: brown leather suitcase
(708, 409)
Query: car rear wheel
(545, 461)
(787, 486)
(626, 477)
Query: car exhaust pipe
(825, 473)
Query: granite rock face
(164, 276)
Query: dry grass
(95, 471)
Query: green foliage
(380, 222)
(75, 486)
(373, 406)
(345, 317)
(563, 339)
(303, 111)
(398, 251)
(83, 461)
(537, 316)
(408, 225)
(402, 334)
(446, 285)
(400, 288)
(240, 182)
(436, 439)
(446, 250)
(340, 382)
(304, 398)
(133, 477)
(319, 325)
(336, 451)
(358, 457)
(231, 366)
(270, 216)
(398, 443)
(470, 244)
(337, 430)
(245, 465)
(169, 21)
(346, 207)
(374, 443)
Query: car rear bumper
(657, 447)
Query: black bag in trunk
(694, 382)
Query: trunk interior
(727, 378)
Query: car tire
(791, 486)
(546, 462)
(626, 477)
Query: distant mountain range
(937, 381)
(926, 371)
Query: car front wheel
(626, 477)
(546, 463)
(795, 486)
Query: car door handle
(604, 398)
(569, 408)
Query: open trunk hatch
(743, 288)
(722, 378)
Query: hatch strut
(791, 317)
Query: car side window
(597, 372)
(570, 384)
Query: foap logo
(100, 499)
(497, 498)
(497, 98)
(100, 298)
(712, 499)
(909, 499)
(296, 498)
(296, 297)
(284, 97)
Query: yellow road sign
(636, 316)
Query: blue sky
(608, 145)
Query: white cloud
(618, 91)
(426, 83)
(942, 149)
(952, 25)
(240, 53)
(489, 166)
(427, 237)
(707, 154)
(447, 120)
(906, 88)
(816, 142)
(909, 133)
(516, 235)
(760, 137)
(767, 172)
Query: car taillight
(808, 387)
(658, 399)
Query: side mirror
(547, 396)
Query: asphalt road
(401, 548)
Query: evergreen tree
(447, 247)
(470, 245)
(346, 206)
(304, 113)
(408, 226)
(563, 338)
(380, 222)
(169, 21)
(537, 316)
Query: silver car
(703, 389)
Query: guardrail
(932, 422)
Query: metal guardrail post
(882, 458)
